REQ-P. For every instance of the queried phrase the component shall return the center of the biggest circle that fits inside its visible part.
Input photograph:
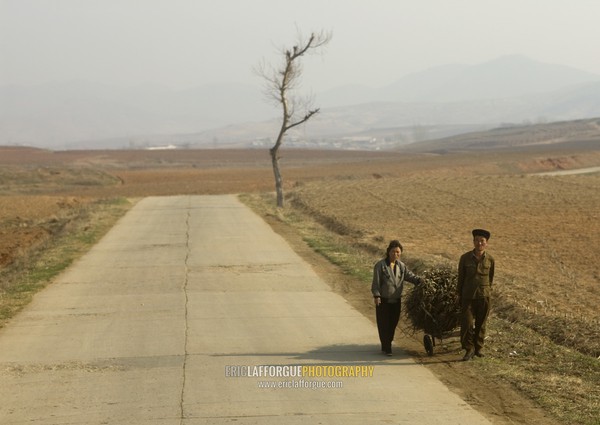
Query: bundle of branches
(433, 305)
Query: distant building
(161, 148)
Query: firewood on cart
(433, 305)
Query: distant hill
(434, 103)
(582, 133)
(72, 113)
(505, 77)
(400, 123)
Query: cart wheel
(428, 343)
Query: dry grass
(31, 256)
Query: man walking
(475, 278)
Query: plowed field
(544, 233)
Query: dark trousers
(472, 328)
(387, 316)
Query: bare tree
(280, 82)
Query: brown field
(544, 229)
(545, 232)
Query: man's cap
(481, 232)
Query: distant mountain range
(579, 134)
(505, 77)
(78, 113)
(438, 102)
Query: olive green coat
(475, 278)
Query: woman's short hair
(393, 245)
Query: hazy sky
(187, 43)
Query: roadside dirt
(498, 401)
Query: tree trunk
(278, 178)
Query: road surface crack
(186, 327)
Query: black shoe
(388, 353)
(479, 354)
(468, 356)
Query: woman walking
(389, 275)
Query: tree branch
(306, 117)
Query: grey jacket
(389, 285)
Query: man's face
(480, 243)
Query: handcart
(432, 306)
(433, 330)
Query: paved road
(570, 172)
(165, 318)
